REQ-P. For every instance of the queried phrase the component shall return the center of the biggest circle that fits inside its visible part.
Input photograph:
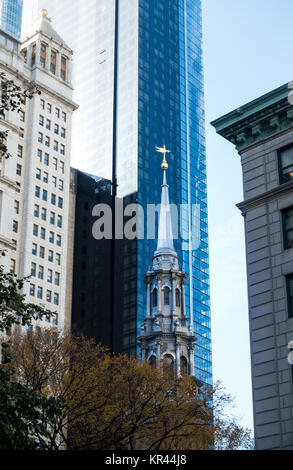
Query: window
(57, 112)
(286, 164)
(52, 218)
(24, 53)
(20, 151)
(33, 269)
(53, 62)
(55, 146)
(41, 272)
(55, 163)
(51, 237)
(41, 120)
(58, 259)
(53, 199)
(166, 296)
(56, 299)
(61, 164)
(155, 298)
(16, 207)
(42, 104)
(47, 141)
(36, 210)
(55, 319)
(59, 221)
(12, 266)
(49, 296)
(62, 149)
(42, 252)
(40, 293)
(60, 202)
(183, 365)
(37, 191)
(287, 216)
(63, 116)
(58, 240)
(50, 276)
(168, 364)
(32, 290)
(289, 282)
(177, 298)
(43, 55)
(46, 159)
(45, 194)
(48, 124)
(61, 185)
(63, 132)
(56, 129)
(15, 226)
(33, 54)
(35, 230)
(63, 67)
(44, 214)
(40, 137)
(34, 249)
(54, 181)
(39, 155)
(43, 233)
(21, 116)
(49, 108)
(18, 169)
(38, 174)
(57, 279)
(51, 256)
(45, 177)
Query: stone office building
(262, 132)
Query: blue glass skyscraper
(11, 16)
(138, 78)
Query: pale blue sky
(247, 52)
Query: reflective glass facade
(11, 16)
(159, 101)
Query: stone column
(159, 296)
(177, 364)
(58, 64)
(183, 305)
(38, 53)
(48, 58)
(148, 298)
(173, 306)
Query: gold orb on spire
(163, 150)
(44, 12)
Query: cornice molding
(280, 190)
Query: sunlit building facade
(138, 78)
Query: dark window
(286, 164)
(177, 298)
(166, 296)
(155, 298)
(183, 365)
(168, 364)
(288, 228)
(289, 282)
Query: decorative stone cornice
(9, 182)
(7, 242)
(258, 120)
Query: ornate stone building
(166, 339)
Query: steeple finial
(165, 237)
(163, 150)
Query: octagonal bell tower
(166, 339)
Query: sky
(246, 47)
(247, 53)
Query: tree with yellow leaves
(118, 403)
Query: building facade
(262, 132)
(35, 180)
(11, 16)
(138, 77)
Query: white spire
(165, 236)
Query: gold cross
(164, 151)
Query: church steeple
(166, 338)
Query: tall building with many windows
(138, 78)
(11, 16)
(35, 180)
